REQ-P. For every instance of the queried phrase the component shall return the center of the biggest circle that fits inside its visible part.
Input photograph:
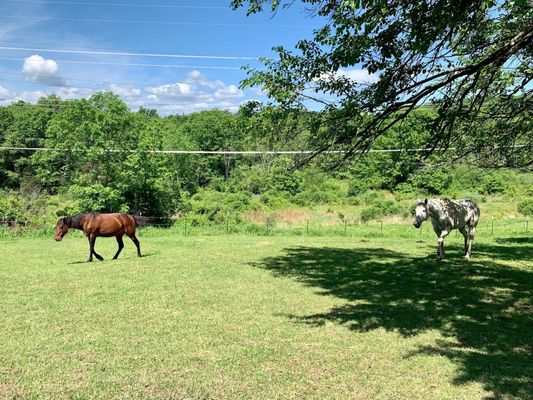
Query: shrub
(98, 198)
(326, 193)
(370, 213)
(357, 188)
(11, 207)
(318, 188)
(494, 184)
(251, 179)
(525, 207)
(274, 200)
(432, 181)
(370, 197)
(216, 207)
(381, 208)
(282, 178)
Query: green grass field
(267, 317)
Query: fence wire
(234, 224)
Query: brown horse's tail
(141, 220)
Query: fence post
(227, 226)
(184, 228)
(381, 226)
(527, 223)
(345, 222)
(492, 227)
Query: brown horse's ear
(426, 202)
(67, 221)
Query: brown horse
(106, 225)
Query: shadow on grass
(110, 259)
(515, 249)
(482, 308)
(521, 239)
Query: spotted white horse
(446, 215)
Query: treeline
(102, 161)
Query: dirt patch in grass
(10, 390)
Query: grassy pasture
(267, 317)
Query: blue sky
(41, 45)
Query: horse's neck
(434, 210)
(77, 221)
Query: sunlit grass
(232, 316)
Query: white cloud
(73, 93)
(125, 91)
(33, 96)
(196, 93)
(41, 70)
(195, 75)
(230, 91)
(30, 97)
(4, 94)
(171, 90)
(258, 91)
(356, 75)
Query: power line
(128, 21)
(119, 4)
(125, 64)
(70, 78)
(129, 54)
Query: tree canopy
(97, 155)
(470, 60)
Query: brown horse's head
(61, 228)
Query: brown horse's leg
(91, 245)
(120, 246)
(134, 240)
(92, 240)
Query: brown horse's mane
(74, 221)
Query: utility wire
(126, 64)
(130, 54)
(76, 3)
(148, 22)
(70, 78)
